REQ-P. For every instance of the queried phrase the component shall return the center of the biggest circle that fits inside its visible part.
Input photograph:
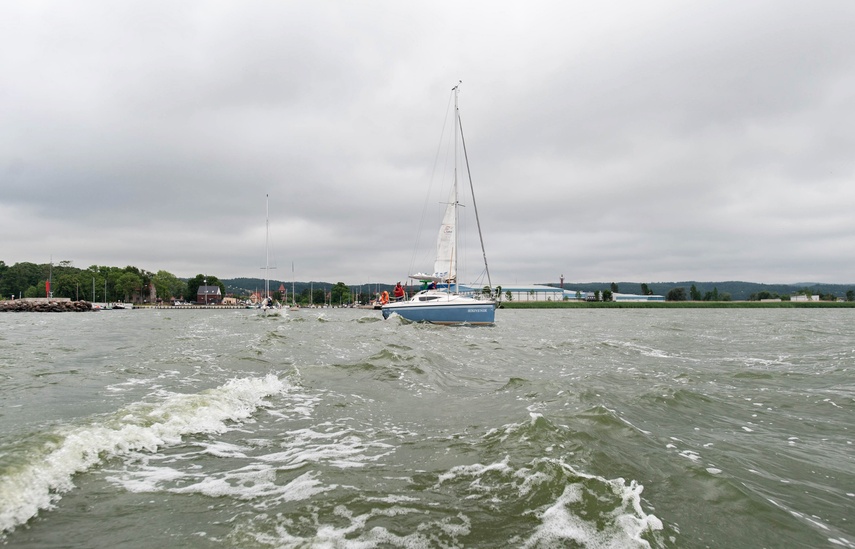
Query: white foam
(560, 522)
(351, 531)
(560, 525)
(224, 449)
(147, 479)
(338, 448)
(38, 482)
(255, 481)
(690, 454)
(475, 469)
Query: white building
(527, 292)
(540, 292)
(636, 297)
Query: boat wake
(35, 477)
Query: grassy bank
(678, 305)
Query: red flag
(47, 288)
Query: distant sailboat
(267, 301)
(95, 306)
(294, 306)
(442, 302)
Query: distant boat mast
(267, 266)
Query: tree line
(679, 294)
(99, 283)
(309, 293)
(96, 283)
(716, 291)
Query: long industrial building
(540, 292)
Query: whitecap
(40, 482)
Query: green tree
(319, 296)
(614, 288)
(596, 295)
(114, 292)
(168, 286)
(127, 284)
(713, 295)
(676, 294)
(303, 298)
(96, 276)
(850, 295)
(645, 290)
(340, 293)
(5, 292)
(694, 293)
(607, 295)
(65, 284)
(763, 294)
(21, 278)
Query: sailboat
(267, 302)
(294, 306)
(442, 301)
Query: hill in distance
(738, 290)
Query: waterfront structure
(209, 295)
(540, 292)
(636, 297)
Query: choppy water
(558, 428)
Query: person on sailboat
(398, 292)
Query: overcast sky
(608, 141)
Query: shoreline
(44, 305)
(678, 305)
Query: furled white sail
(443, 267)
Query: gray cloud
(653, 141)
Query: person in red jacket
(398, 292)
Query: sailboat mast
(456, 89)
(267, 246)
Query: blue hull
(463, 313)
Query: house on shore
(209, 295)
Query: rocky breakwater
(44, 305)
